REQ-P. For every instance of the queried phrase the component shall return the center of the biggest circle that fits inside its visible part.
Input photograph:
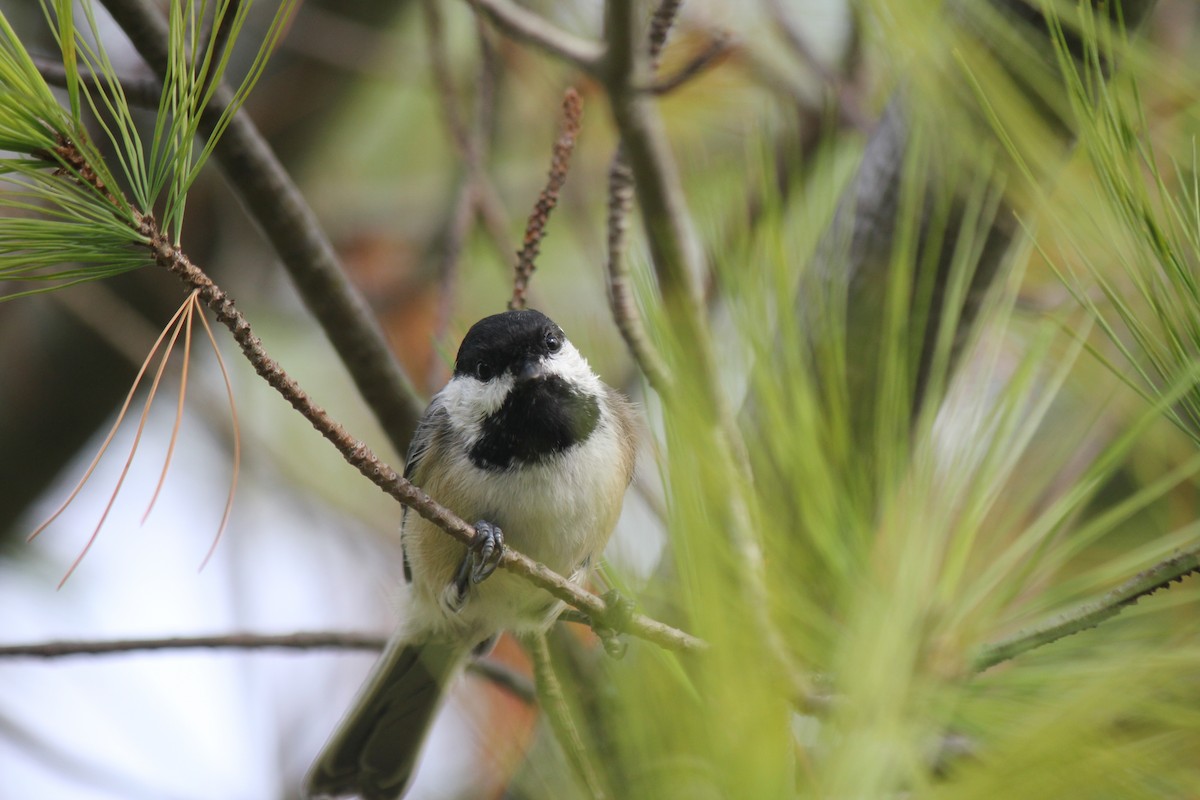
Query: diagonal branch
(526, 26)
(1091, 614)
(717, 48)
(355, 452)
(294, 231)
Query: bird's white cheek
(469, 402)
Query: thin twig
(679, 263)
(447, 270)
(620, 293)
(294, 231)
(439, 62)
(674, 247)
(847, 106)
(230, 641)
(558, 714)
(503, 676)
(718, 47)
(661, 23)
(488, 204)
(535, 229)
(620, 203)
(467, 145)
(526, 26)
(1089, 615)
(477, 191)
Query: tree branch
(558, 713)
(229, 641)
(679, 264)
(1091, 614)
(294, 231)
(527, 27)
(508, 679)
(718, 47)
(674, 246)
(355, 452)
(620, 293)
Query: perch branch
(361, 457)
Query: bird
(526, 439)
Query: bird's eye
(553, 342)
(483, 371)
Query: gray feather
(374, 751)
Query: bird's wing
(430, 427)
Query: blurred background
(363, 102)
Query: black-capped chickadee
(528, 440)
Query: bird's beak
(531, 369)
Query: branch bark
(1091, 614)
(511, 681)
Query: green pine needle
(65, 215)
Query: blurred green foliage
(1000, 468)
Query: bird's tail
(374, 750)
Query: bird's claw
(486, 551)
(481, 559)
(620, 612)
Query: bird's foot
(486, 551)
(480, 561)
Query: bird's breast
(538, 420)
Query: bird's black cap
(503, 342)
